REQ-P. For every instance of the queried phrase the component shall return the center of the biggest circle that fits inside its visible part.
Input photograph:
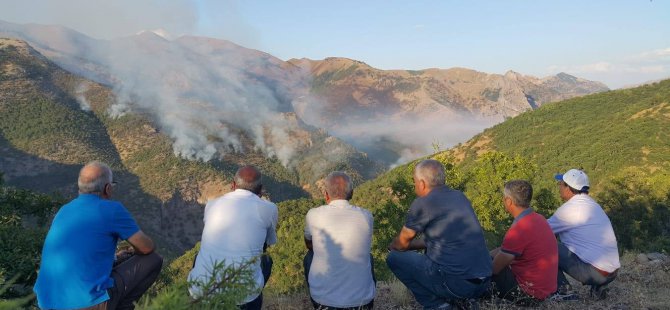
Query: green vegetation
(23, 218)
(288, 253)
(322, 80)
(224, 289)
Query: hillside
(619, 137)
(52, 122)
(636, 198)
(392, 115)
(402, 113)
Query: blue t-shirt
(453, 235)
(79, 252)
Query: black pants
(506, 287)
(307, 264)
(266, 269)
(132, 278)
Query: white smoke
(80, 96)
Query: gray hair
(93, 177)
(249, 178)
(520, 191)
(430, 171)
(339, 186)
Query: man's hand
(501, 261)
(124, 253)
(405, 241)
(141, 242)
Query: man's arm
(405, 241)
(501, 260)
(141, 242)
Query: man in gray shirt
(338, 265)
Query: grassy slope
(613, 134)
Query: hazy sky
(616, 42)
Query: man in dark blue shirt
(79, 251)
(456, 267)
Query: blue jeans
(581, 271)
(429, 282)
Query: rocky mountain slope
(393, 115)
(52, 122)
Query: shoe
(563, 296)
(599, 292)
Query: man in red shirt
(525, 267)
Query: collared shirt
(237, 225)
(535, 264)
(585, 230)
(340, 274)
(78, 252)
(454, 238)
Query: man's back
(453, 235)
(585, 229)
(535, 264)
(340, 273)
(236, 227)
(79, 252)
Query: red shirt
(534, 246)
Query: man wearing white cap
(587, 249)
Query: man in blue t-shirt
(78, 267)
(456, 268)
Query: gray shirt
(340, 274)
(453, 235)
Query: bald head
(249, 178)
(93, 177)
(338, 186)
(431, 172)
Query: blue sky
(616, 42)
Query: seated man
(525, 266)
(338, 265)
(456, 268)
(77, 259)
(587, 250)
(238, 227)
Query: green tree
(484, 189)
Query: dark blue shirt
(453, 235)
(78, 252)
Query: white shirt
(236, 226)
(585, 230)
(340, 274)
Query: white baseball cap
(575, 178)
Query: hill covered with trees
(620, 138)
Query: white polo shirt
(236, 226)
(585, 230)
(340, 274)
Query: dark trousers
(430, 283)
(307, 264)
(506, 286)
(581, 271)
(266, 269)
(132, 278)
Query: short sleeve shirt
(237, 225)
(340, 275)
(78, 252)
(535, 264)
(453, 235)
(585, 230)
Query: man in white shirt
(338, 265)
(588, 248)
(238, 227)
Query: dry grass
(638, 286)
